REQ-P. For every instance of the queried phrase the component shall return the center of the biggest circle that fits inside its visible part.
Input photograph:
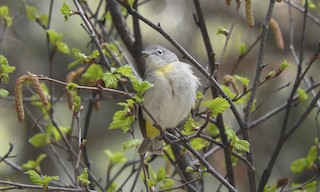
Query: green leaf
(212, 129)
(190, 125)
(242, 145)
(35, 177)
(113, 187)
(116, 157)
(161, 174)
(198, 143)
(32, 12)
(271, 74)
(222, 31)
(302, 94)
(130, 2)
(93, 73)
(3, 93)
(62, 47)
(231, 134)
(131, 143)
(111, 80)
(228, 91)
(245, 81)
(39, 139)
(121, 119)
(243, 48)
(217, 105)
(3, 61)
(83, 177)
(76, 103)
(167, 183)
(8, 69)
(71, 87)
(65, 11)
(4, 11)
(140, 86)
(283, 66)
(271, 188)
(312, 155)
(30, 164)
(54, 37)
(44, 19)
(125, 71)
(199, 95)
(189, 169)
(47, 179)
(151, 183)
(299, 165)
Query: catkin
(249, 13)
(274, 25)
(229, 80)
(18, 93)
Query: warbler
(171, 98)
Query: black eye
(159, 52)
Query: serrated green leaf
(217, 105)
(140, 86)
(242, 145)
(39, 139)
(76, 103)
(54, 37)
(302, 94)
(65, 11)
(198, 143)
(125, 71)
(244, 80)
(95, 54)
(35, 177)
(7, 69)
(299, 165)
(231, 134)
(111, 80)
(73, 64)
(32, 12)
(93, 73)
(3, 61)
(121, 119)
(47, 179)
(131, 143)
(71, 86)
(4, 11)
(84, 177)
(151, 183)
(228, 92)
(78, 55)
(62, 47)
(161, 174)
(3, 93)
(190, 125)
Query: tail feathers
(154, 146)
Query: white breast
(172, 97)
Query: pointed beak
(145, 54)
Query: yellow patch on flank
(165, 69)
(151, 131)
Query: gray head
(157, 56)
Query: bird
(171, 99)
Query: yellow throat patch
(165, 69)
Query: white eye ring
(159, 52)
